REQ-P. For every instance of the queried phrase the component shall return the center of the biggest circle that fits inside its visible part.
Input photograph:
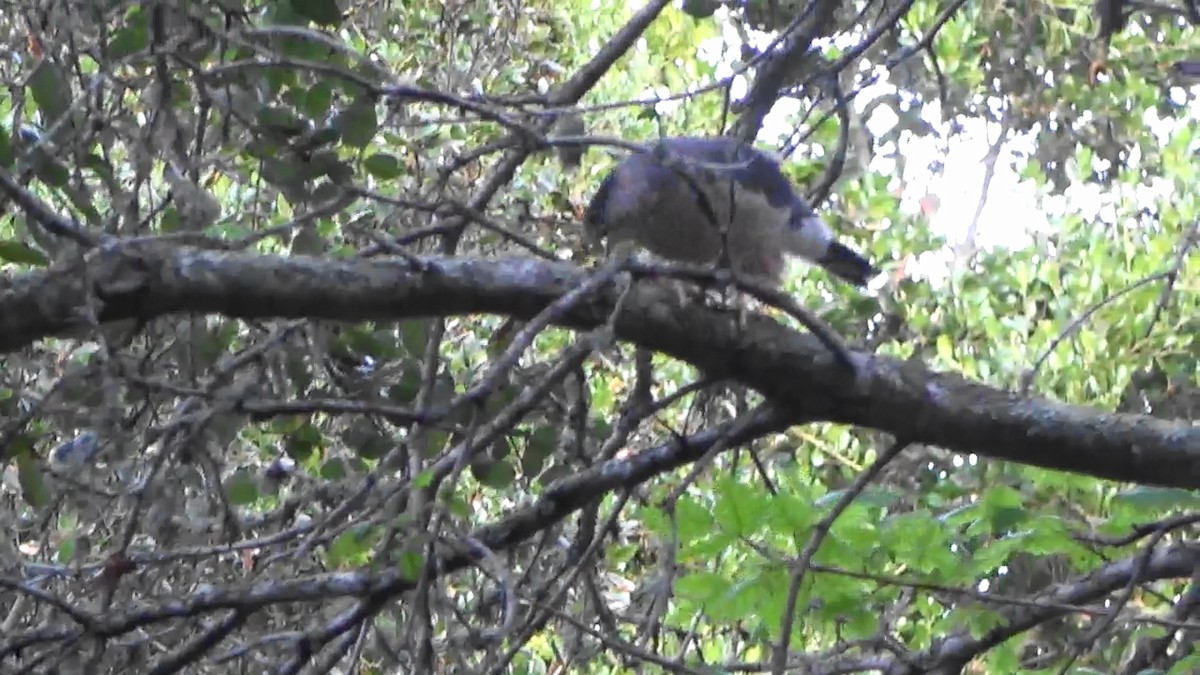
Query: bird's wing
(595, 217)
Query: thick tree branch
(781, 66)
(146, 280)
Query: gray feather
(676, 200)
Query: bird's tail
(1188, 68)
(844, 262)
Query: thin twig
(820, 531)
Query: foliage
(243, 458)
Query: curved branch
(959, 648)
(559, 500)
(780, 65)
(145, 279)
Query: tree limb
(145, 279)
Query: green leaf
(740, 508)
(351, 548)
(321, 12)
(130, 38)
(66, 551)
(457, 505)
(540, 445)
(1003, 509)
(694, 520)
(872, 496)
(414, 333)
(51, 90)
(212, 342)
(284, 14)
(29, 477)
(703, 588)
(279, 79)
(1004, 519)
(409, 564)
(20, 252)
(334, 469)
(304, 443)
(498, 476)
(318, 100)
(945, 349)
(1158, 499)
(50, 171)
(281, 120)
(317, 139)
(365, 441)
(700, 9)
(436, 440)
(405, 389)
(357, 123)
(170, 220)
(8, 157)
(326, 164)
(97, 163)
(241, 489)
(383, 165)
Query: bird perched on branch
(677, 200)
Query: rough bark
(144, 280)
